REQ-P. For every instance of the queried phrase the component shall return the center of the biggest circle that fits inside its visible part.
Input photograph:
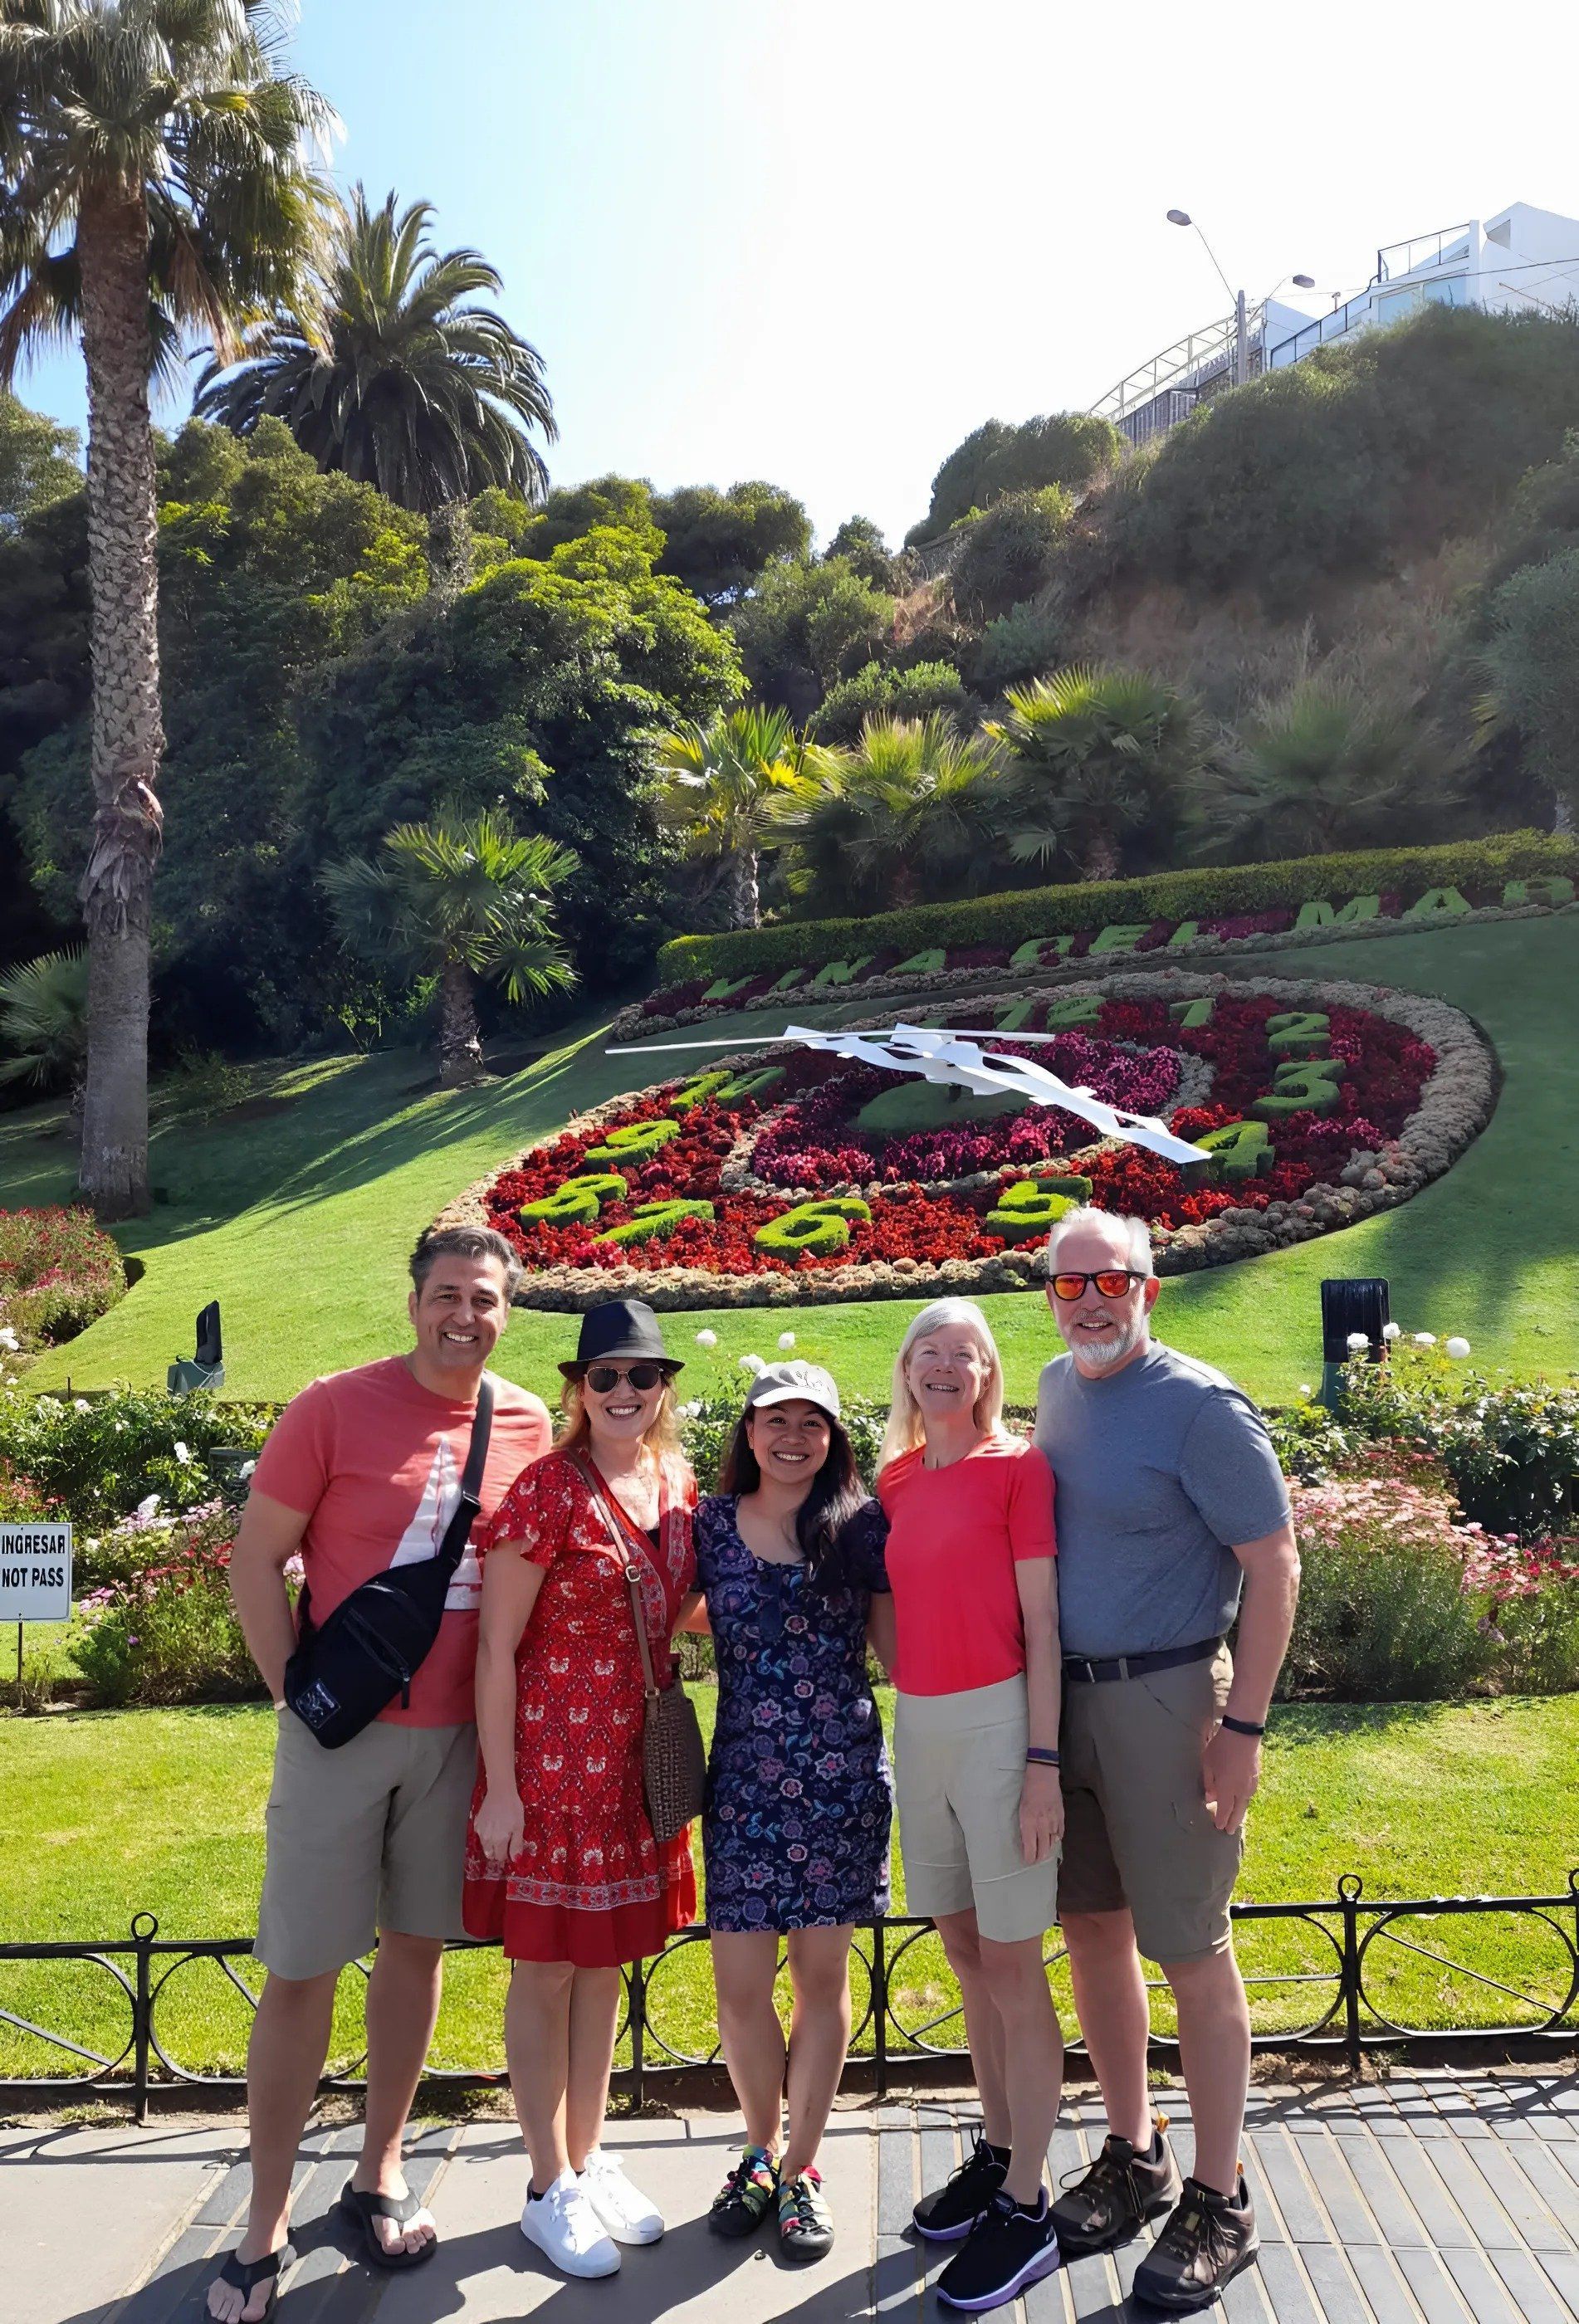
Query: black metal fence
(1359, 1987)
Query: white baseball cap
(787, 1383)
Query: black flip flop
(243, 2275)
(365, 2208)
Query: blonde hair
(661, 1439)
(904, 1431)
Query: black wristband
(1240, 1726)
(1036, 1755)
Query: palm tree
(457, 898)
(44, 1018)
(727, 782)
(152, 183)
(913, 810)
(1098, 756)
(1326, 767)
(404, 384)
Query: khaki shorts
(1136, 1830)
(369, 1836)
(959, 1768)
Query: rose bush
(59, 1272)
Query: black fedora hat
(620, 1327)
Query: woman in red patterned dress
(561, 1863)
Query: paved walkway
(1436, 2200)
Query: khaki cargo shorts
(369, 1836)
(1136, 1828)
(959, 1766)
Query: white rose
(80, 1403)
(1458, 1347)
(1424, 1339)
(786, 1339)
(1392, 1330)
(706, 1339)
(1306, 1389)
(180, 1450)
(1356, 1341)
(753, 1364)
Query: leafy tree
(861, 544)
(1068, 448)
(38, 462)
(719, 543)
(1531, 658)
(43, 1020)
(569, 512)
(913, 811)
(388, 372)
(1099, 759)
(1011, 553)
(152, 183)
(457, 898)
(1026, 641)
(539, 687)
(804, 627)
(877, 691)
(728, 779)
(1326, 766)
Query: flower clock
(778, 1176)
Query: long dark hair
(836, 1493)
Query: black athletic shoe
(949, 2215)
(1205, 2245)
(1008, 2249)
(1109, 2203)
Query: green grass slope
(299, 1223)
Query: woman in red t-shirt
(970, 1561)
(561, 1860)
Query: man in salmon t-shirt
(362, 1471)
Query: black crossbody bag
(352, 1666)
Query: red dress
(589, 1883)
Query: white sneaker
(623, 2209)
(566, 2229)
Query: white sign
(35, 1572)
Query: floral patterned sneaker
(806, 2225)
(743, 2203)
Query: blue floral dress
(795, 1831)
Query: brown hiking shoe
(1111, 2202)
(1204, 2246)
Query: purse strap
(617, 1535)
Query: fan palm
(153, 183)
(1326, 767)
(1098, 757)
(457, 898)
(405, 384)
(43, 1018)
(913, 810)
(727, 782)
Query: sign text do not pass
(35, 1572)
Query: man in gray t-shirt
(1169, 1504)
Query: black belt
(1081, 1668)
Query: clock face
(784, 1173)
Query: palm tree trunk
(128, 737)
(743, 900)
(450, 557)
(460, 1040)
(1101, 857)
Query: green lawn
(102, 1814)
(299, 1223)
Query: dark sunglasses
(601, 1378)
(1112, 1282)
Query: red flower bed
(59, 1270)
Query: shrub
(100, 1458)
(875, 692)
(1025, 642)
(1017, 917)
(1011, 553)
(1511, 1449)
(164, 1632)
(57, 1272)
(999, 457)
(1532, 658)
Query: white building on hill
(1522, 261)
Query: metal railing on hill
(1352, 1981)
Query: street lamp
(1241, 316)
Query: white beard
(1103, 1354)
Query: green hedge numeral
(812, 1230)
(1238, 1149)
(928, 963)
(1186, 933)
(1303, 1086)
(1190, 1015)
(1011, 1019)
(841, 972)
(578, 1199)
(723, 986)
(1072, 1009)
(1038, 949)
(656, 1218)
(725, 1085)
(1028, 1208)
(1298, 1033)
(787, 982)
(632, 1141)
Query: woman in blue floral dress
(795, 1831)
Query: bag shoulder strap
(458, 1532)
(616, 1532)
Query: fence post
(145, 1929)
(880, 2006)
(1349, 1889)
(638, 2016)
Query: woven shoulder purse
(674, 1759)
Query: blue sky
(819, 240)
